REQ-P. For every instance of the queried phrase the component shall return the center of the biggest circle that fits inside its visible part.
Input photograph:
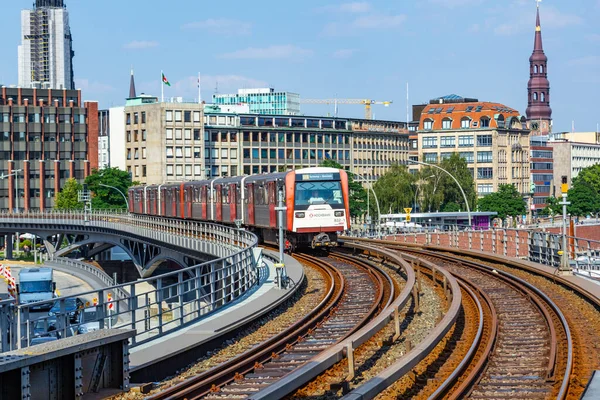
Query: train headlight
(339, 214)
(299, 215)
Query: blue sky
(323, 49)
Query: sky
(325, 49)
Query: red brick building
(46, 137)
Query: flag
(165, 80)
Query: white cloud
(551, 18)
(140, 44)
(221, 26)
(373, 21)
(269, 53)
(344, 53)
(94, 87)
(455, 3)
(352, 7)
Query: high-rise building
(46, 50)
(46, 137)
(262, 101)
(539, 113)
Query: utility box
(94, 364)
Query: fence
(153, 306)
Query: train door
(218, 198)
(204, 201)
(163, 201)
(233, 202)
(250, 198)
(271, 196)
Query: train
(316, 204)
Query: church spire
(539, 113)
(132, 86)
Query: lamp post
(376, 201)
(455, 180)
(15, 173)
(118, 190)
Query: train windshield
(313, 193)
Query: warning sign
(109, 301)
(408, 210)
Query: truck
(36, 284)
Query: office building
(542, 169)
(46, 137)
(262, 101)
(491, 137)
(573, 151)
(46, 50)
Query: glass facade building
(262, 101)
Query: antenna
(407, 106)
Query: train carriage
(316, 201)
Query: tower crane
(367, 103)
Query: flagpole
(162, 88)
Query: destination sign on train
(317, 177)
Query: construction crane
(367, 103)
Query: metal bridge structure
(219, 265)
(149, 241)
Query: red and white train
(317, 202)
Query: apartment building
(491, 137)
(46, 137)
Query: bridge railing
(532, 244)
(153, 306)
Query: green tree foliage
(584, 200)
(506, 201)
(67, 198)
(104, 197)
(358, 194)
(395, 189)
(589, 176)
(552, 207)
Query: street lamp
(118, 190)
(458, 184)
(15, 173)
(376, 201)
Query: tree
(589, 176)
(552, 207)
(395, 189)
(105, 197)
(357, 195)
(506, 201)
(457, 166)
(67, 198)
(584, 200)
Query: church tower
(539, 113)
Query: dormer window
(446, 123)
(428, 124)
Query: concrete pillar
(8, 252)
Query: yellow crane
(366, 102)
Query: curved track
(356, 295)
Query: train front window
(313, 193)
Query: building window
(143, 134)
(196, 116)
(465, 141)
(179, 170)
(169, 116)
(144, 119)
(188, 170)
(223, 153)
(128, 136)
(484, 122)
(485, 173)
(535, 69)
(178, 152)
(428, 124)
(169, 133)
(135, 136)
(484, 156)
(136, 154)
(178, 117)
(188, 152)
(143, 171)
(543, 97)
(136, 120)
(541, 69)
(446, 123)
(233, 154)
(143, 152)
(188, 134)
(431, 157)
(137, 170)
(187, 116)
(197, 152)
(214, 154)
(429, 142)
(445, 155)
(448, 141)
(484, 140)
(128, 119)
(465, 123)
(535, 97)
(196, 134)
(129, 154)
(467, 155)
(197, 170)
(169, 170)
(484, 188)
(169, 152)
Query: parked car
(73, 306)
(51, 326)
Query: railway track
(357, 293)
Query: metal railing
(154, 306)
